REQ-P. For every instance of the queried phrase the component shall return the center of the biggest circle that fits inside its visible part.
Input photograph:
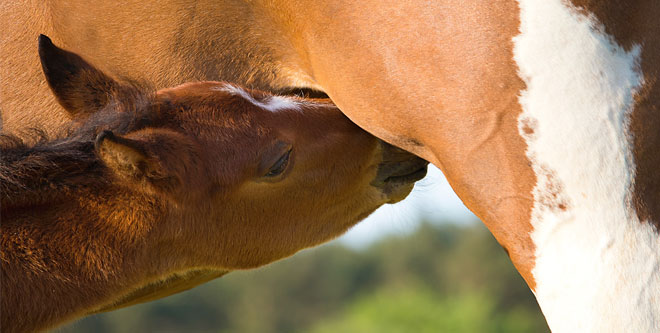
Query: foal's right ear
(78, 86)
(131, 160)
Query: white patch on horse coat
(272, 103)
(597, 266)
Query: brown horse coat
(153, 193)
(543, 114)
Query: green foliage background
(442, 278)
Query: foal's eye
(280, 165)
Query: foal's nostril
(393, 154)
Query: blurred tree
(415, 309)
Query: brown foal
(154, 192)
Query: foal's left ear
(78, 86)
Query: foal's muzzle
(398, 171)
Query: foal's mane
(34, 164)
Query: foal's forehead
(262, 100)
(228, 93)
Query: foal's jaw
(308, 171)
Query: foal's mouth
(407, 178)
(397, 173)
(400, 173)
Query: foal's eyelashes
(281, 165)
(275, 161)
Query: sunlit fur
(507, 97)
(169, 186)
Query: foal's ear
(78, 86)
(133, 162)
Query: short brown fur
(435, 78)
(152, 193)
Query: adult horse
(183, 184)
(541, 113)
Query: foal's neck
(45, 172)
(71, 239)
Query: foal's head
(247, 177)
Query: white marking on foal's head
(272, 103)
